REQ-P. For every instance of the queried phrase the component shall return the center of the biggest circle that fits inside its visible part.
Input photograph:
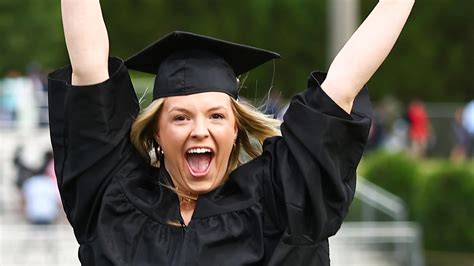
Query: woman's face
(197, 133)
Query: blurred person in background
(23, 99)
(394, 123)
(419, 128)
(39, 82)
(41, 195)
(33, 158)
(8, 99)
(165, 187)
(468, 124)
(460, 137)
(26, 103)
(29, 155)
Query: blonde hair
(143, 132)
(252, 126)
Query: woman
(177, 195)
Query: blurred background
(415, 197)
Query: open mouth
(199, 160)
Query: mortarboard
(186, 63)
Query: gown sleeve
(312, 167)
(90, 136)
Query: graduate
(164, 186)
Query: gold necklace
(186, 197)
(186, 200)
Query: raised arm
(365, 51)
(86, 40)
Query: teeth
(199, 150)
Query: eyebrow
(179, 109)
(184, 110)
(217, 108)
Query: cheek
(226, 136)
(171, 138)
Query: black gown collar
(236, 194)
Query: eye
(180, 118)
(217, 116)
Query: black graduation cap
(186, 63)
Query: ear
(157, 137)
(236, 132)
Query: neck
(187, 209)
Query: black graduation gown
(278, 209)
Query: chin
(201, 189)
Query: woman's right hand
(86, 40)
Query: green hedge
(439, 195)
(446, 209)
(396, 173)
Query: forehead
(204, 100)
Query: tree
(432, 59)
(31, 33)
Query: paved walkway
(29, 245)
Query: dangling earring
(158, 152)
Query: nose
(200, 129)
